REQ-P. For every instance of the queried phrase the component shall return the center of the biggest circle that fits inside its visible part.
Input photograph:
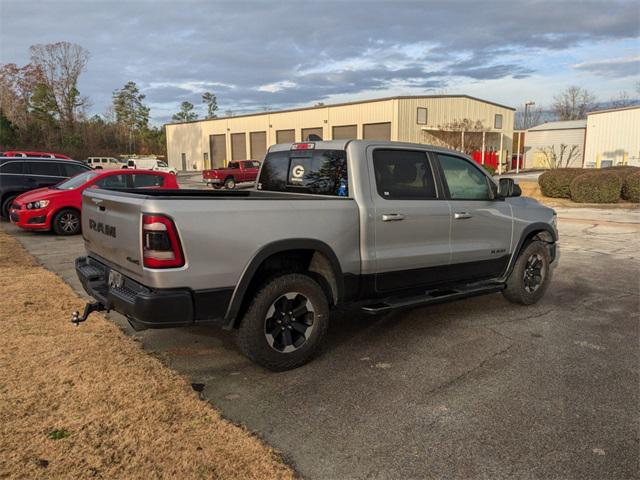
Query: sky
(270, 55)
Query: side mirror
(508, 188)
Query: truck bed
(195, 194)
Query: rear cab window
(319, 172)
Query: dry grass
(126, 415)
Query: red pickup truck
(236, 172)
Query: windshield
(75, 182)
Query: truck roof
(342, 145)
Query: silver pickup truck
(382, 225)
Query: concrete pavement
(476, 388)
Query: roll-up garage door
(285, 136)
(311, 131)
(258, 141)
(377, 131)
(344, 132)
(218, 147)
(238, 146)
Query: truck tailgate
(112, 230)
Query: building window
(205, 157)
(422, 116)
(497, 122)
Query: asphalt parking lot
(479, 388)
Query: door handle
(392, 217)
(461, 215)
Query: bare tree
(534, 117)
(562, 159)
(622, 100)
(450, 135)
(61, 65)
(573, 103)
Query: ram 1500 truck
(383, 225)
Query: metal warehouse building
(555, 137)
(422, 119)
(613, 137)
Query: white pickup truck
(381, 224)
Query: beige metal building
(432, 119)
(555, 144)
(613, 137)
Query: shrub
(596, 187)
(631, 187)
(555, 183)
(489, 169)
(623, 171)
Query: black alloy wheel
(289, 322)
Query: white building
(613, 137)
(555, 144)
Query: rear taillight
(160, 243)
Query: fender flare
(526, 233)
(273, 248)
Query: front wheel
(530, 276)
(285, 323)
(66, 222)
(229, 183)
(6, 206)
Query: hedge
(631, 187)
(596, 187)
(555, 183)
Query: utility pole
(525, 125)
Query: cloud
(612, 67)
(284, 53)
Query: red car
(16, 153)
(236, 172)
(58, 207)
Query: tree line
(41, 108)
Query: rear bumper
(147, 307)
(212, 181)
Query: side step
(429, 297)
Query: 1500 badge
(103, 228)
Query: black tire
(6, 206)
(66, 222)
(230, 183)
(259, 337)
(530, 276)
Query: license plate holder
(115, 279)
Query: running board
(430, 297)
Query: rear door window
(71, 169)
(142, 181)
(113, 181)
(321, 172)
(44, 169)
(403, 175)
(11, 167)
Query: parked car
(150, 164)
(19, 153)
(19, 175)
(235, 172)
(388, 225)
(59, 207)
(105, 163)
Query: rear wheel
(285, 323)
(530, 276)
(6, 206)
(66, 222)
(230, 183)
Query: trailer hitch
(76, 319)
